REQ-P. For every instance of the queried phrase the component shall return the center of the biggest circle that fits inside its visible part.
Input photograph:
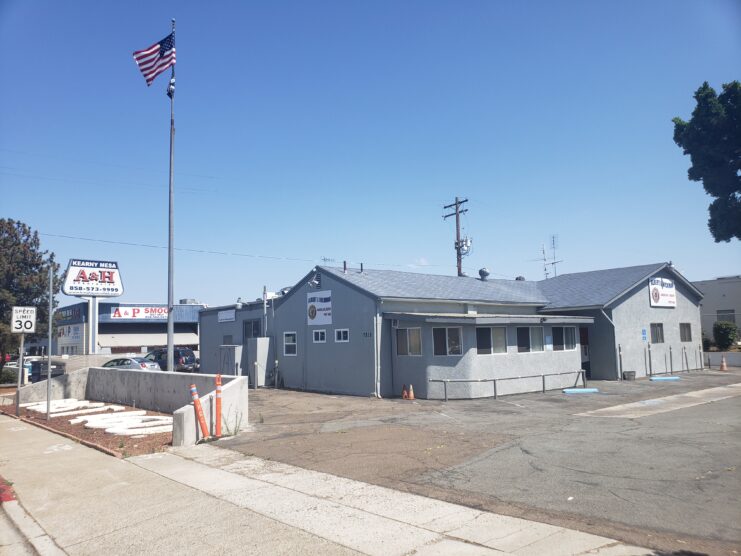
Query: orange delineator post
(218, 406)
(199, 410)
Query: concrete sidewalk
(209, 500)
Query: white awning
(148, 340)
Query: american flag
(157, 58)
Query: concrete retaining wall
(71, 385)
(733, 358)
(153, 391)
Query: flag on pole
(157, 58)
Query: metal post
(620, 360)
(171, 232)
(584, 378)
(20, 374)
(445, 388)
(48, 351)
(495, 388)
(671, 361)
(544, 384)
(650, 363)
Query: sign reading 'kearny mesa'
(93, 278)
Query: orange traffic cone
(723, 364)
(411, 392)
(404, 395)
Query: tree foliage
(712, 138)
(24, 279)
(725, 334)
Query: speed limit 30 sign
(24, 320)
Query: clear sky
(339, 129)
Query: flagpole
(171, 237)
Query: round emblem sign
(655, 295)
(312, 312)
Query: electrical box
(230, 360)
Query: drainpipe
(377, 349)
(614, 333)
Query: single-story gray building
(370, 332)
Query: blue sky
(339, 129)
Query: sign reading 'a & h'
(24, 320)
(93, 279)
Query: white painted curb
(31, 530)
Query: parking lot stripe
(653, 406)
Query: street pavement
(211, 500)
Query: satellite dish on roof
(484, 273)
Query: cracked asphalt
(669, 481)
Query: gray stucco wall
(634, 313)
(212, 332)
(342, 368)
(417, 370)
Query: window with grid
(289, 343)
(320, 336)
(447, 341)
(657, 333)
(529, 338)
(408, 341)
(685, 332)
(342, 335)
(491, 339)
(564, 338)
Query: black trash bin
(35, 371)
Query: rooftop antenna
(545, 261)
(554, 246)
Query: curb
(33, 533)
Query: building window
(289, 343)
(227, 340)
(685, 331)
(320, 336)
(408, 341)
(529, 338)
(491, 340)
(726, 315)
(251, 328)
(342, 335)
(564, 338)
(657, 333)
(447, 341)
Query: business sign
(319, 307)
(662, 292)
(93, 279)
(139, 313)
(229, 315)
(23, 320)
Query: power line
(323, 259)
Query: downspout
(377, 349)
(614, 335)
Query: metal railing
(580, 373)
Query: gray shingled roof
(581, 289)
(393, 283)
(594, 288)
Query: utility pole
(461, 247)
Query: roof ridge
(605, 270)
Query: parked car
(137, 363)
(185, 359)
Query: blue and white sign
(319, 308)
(662, 293)
(644, 335)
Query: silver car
(138, 363)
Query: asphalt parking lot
(668, 480)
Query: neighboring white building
(722, 302)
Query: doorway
(584, 343)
